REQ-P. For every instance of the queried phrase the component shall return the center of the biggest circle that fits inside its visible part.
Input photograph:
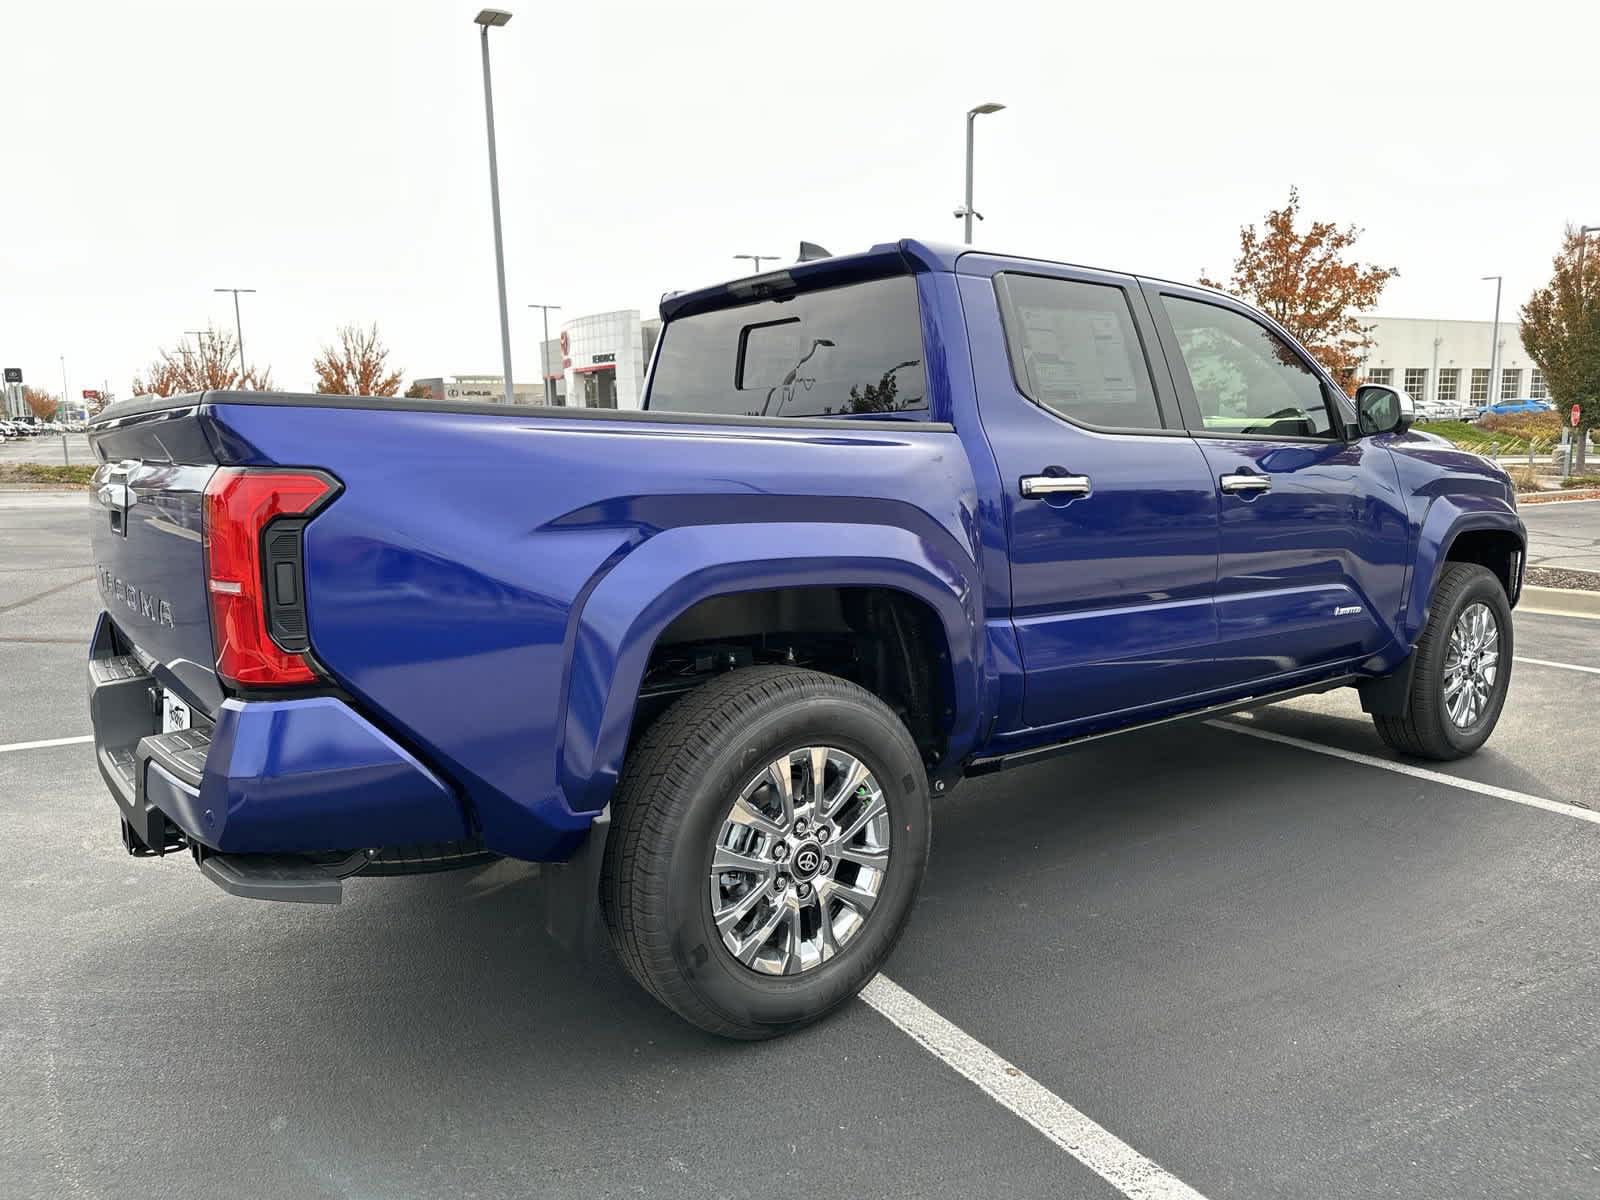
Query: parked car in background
(1507, 407)
(1441, 410)
(884, 521)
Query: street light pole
(65, 461)
(965, 212)
(758, 259)
(238, 325)
(1494, 339)
(544, 347)
(485, 20)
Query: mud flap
(570, 893)
(1388, 695)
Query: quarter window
(1075, 350)
(1246, 378)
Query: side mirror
(1383, 409)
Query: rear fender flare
(669, 573)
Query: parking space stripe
(1108, 1156)
(1544, 662)
(71, 741)
(1455, 781)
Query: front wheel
(768, 837)
(1462, 672)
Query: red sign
(90, 394)
(1574, 416)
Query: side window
(1246, 378)
(1075, 350)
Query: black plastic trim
(1021, 758)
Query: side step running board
(1022, 758)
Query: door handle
(1035, 486)
(1246, 483)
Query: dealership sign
(13, 374)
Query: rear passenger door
(1313, 534)
(1110, 509)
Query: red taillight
(239, 504)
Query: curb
(1560, 602)
(1585, 496)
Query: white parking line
(1544, 662)
(1108, 1156)
(71, 741)
(1455, 781)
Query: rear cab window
(854, 350)
(1075, 350)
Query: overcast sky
(331, 154)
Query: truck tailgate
(146, 504)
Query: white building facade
(599, 361)
(602, 359)
(482, 389)
(1451, 361)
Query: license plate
(174, 713)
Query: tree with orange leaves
(207, 365)
(357, 366)
(41, 404)
(1304, 282)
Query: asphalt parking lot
(46, 449)
(1564, 535)
(1252, 950)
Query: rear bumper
(270, 777)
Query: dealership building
(1451, 361)
(598, 361)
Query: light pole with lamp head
(965, 212)
(544, 350)
(757, 260)
(486, 20)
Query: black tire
(1425, 729)
(675, 791)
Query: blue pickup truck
(884, 521)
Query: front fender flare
(1448, 517)
(677, 568)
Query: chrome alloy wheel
(1471, 665)
(800, 860)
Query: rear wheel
(1462, 672)
(768, 838)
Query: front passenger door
(1314, 540)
